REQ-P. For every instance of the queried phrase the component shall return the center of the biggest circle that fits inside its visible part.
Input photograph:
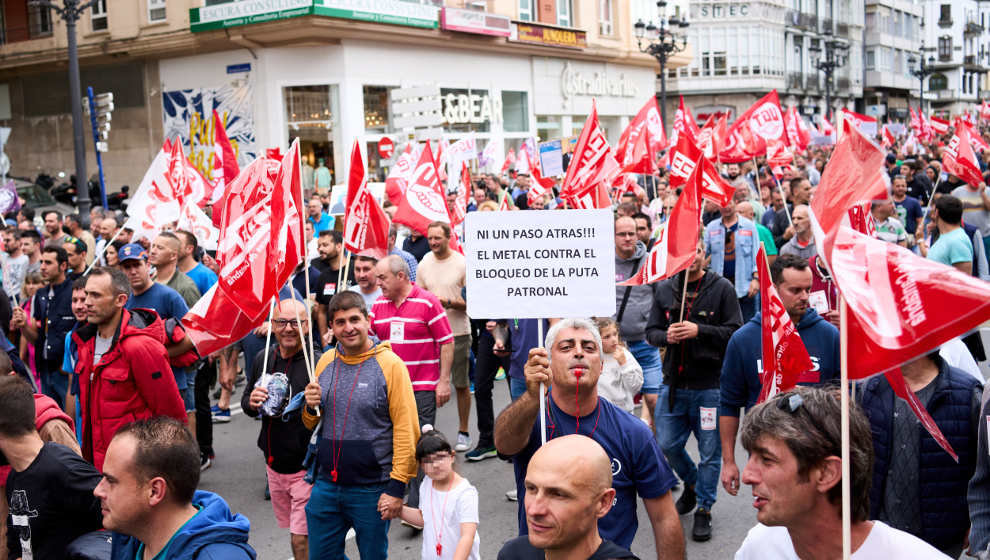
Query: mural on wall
(188, 115)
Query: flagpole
(543, 390)
(844, 395)
(97, 257)
(783, 196)
(268, 343)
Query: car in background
(34, 196)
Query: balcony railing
(972, 28)
(947, 22)
(944, 94)
(795, 80)
(802, 20)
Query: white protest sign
(540, 264)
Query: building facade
(320, 71)
(893, 37)
(743, 49)
(956, 41)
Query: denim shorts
(648, 357)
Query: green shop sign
(395, 12)
(246, 12)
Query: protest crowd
(829, 281)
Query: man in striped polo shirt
(415, 323)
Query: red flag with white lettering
(424, 201)
(713, 186)
(398, 176)
(683, 158)
(959, 159)
(684, 125)
(785, 358)
(458, 210)
(260, 245)
(592, 168)
(765, 119)
(741, 144)
(675, 250)
(798, 134)
(975, 138)
(642, 140)
(940, 126)
(365, 224)
(225, 168)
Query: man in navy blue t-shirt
(573, 407)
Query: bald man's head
(568, 488)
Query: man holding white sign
(572, 368)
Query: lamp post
(921, 71)
(70, 12)
(661, 43)
(835, 57)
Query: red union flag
(741, 144)
(675, 250)
(888, 137)
(224, 169)
(684, 125)
(365, 225)
(592, 168)
(798, 134)
(682, 161)
(424, 201)
(216, 322)
(458, 210)
(785, 358)
(510, 159)
(985, 110)
(398, 176)
(642, 140)
(975, 139)
(713, 186)
(765, 119)
(959, 158)
(940, 126)
(901, 305)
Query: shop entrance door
(310, 117)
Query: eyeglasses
(793, 403)
(282, 323)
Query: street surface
(239, 476)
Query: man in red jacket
(122, 366)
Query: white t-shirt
(774, 543)
(461, 507)
(956, 354)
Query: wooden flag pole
(844, 395)
(268, 342)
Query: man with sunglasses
(284, 437)
(795, 469)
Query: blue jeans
(674, 425)
(648, 358)
(55, 384)
(517, 387)
(335, 508)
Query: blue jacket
(747, 241)
(740, 382)
(943, 506)
(212, 534)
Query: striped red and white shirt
(417, 329)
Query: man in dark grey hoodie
(633, 304)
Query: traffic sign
(385, 148)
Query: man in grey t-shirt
(15, 263)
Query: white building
(744, 49)
(955, 35)
(893, 35)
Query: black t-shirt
(326, 285)
(418, 248)
(51, 503)
(520, 549)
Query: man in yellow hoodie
(366, 440)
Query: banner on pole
(540, 264)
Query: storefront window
(469, 110)
(515, 111)
(376, 109)
(310, 116)
(548, 127)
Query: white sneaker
(512, 496)
(463, 442)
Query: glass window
(156, 10)
(39, 21)
(945, 47)
(564, 13)
(937, 82)
(548, 126)
(718, 63)
(376, 117)
(515, 111)
(466, 110)
(605, 17)
(945, 13)
(98, 15)
(526, 10)
(871, 57)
